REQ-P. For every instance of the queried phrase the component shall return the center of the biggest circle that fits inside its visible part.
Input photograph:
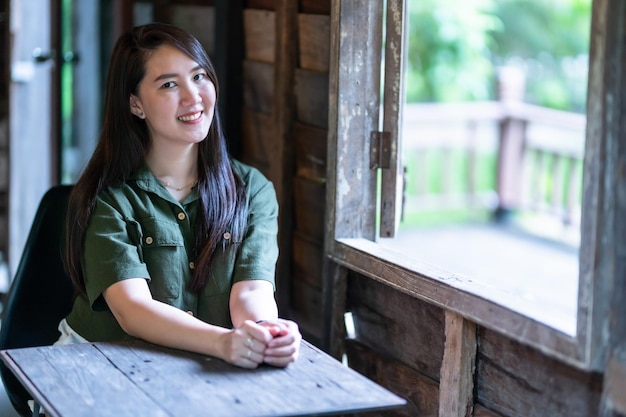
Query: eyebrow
(174, 75)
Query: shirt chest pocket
(162, 248)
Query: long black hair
(124, 142)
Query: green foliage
(455, 46)
(448, 50)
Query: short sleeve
(111, 252)
(258, 252)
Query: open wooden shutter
(388, 141)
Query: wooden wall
(409, 346)
(285, 122)
(400, 343)
(399, 340)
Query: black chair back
(41, 293)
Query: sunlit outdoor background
(493, 146)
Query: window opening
(492, 147)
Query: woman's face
(176, 98)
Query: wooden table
(140, 379)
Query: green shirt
(138, 230)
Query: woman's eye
(168, 84)
(199, 77)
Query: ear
(135, 107)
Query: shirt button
(192, 265)
(181, 216)
(226, 235)
(190, 313)
(149, 240)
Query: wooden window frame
(350, 241)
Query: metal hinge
(380, 150)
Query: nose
(190, 95)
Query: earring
(140, 114)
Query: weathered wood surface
(258, 86)
(315, 6)
(308, 311)
(259, 34)
(480, 411)
(311, 150)
(140, 379)
(397, 325)
(421, 392)
(312, 97)
(516, 380)
(258, 141)
(309, 198)
(308, 258)
(456, 385)
(283, 119)
(614, 387)
(198, 19)
(314, 41)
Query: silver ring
(249, 342)
(249, 353)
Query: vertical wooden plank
(613, 402)
(395, 57)
(334, 289)
(354, 82)
(601, 175)
(282, 167)
(614, 386)
(456, 385)
(260, 34)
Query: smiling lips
(191, 117)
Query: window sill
(471, 299)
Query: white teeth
(190, 118)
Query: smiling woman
(165, 229)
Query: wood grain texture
(259, 34)
(315, 6)
(396, 325)
(309, 198)
(312, 97)
(480, 411)
(308, 259)
(140, 379)
(456, 386)
(258, 88)
(311, 151)
(518, 381)
(309, 313)
(258, 142)
(421, 392)
(314, 41)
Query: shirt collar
(145, 179)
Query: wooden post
(512, 135)
(456, 384)
(281, 170)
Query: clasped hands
(274, 342)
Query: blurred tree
(448, 50)
(455, 47)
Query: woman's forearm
(252, 300)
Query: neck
(177, 170)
